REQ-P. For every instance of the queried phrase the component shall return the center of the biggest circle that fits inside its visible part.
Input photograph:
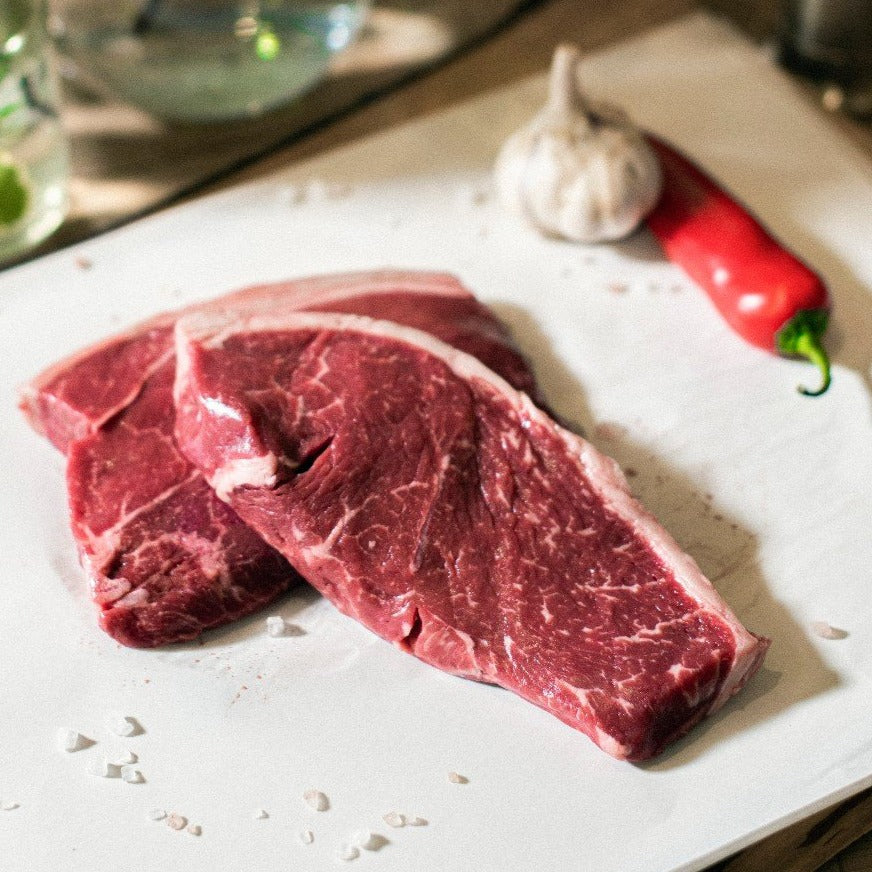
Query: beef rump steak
(165, 558)
(431, 501)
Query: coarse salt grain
(348, 853)
(104, 768)
(368, 840)
(131, 775)
(70, 740)
(306, 837)
(363, 839)
(456, 778)
(125, 758)
(259, 814)
(121, 725)
(157, 814)
(316, 799)
(195, 829)
(8, 805)
(416, 822)
(177, 822)
(825, 631)
(275, 626)
(394, 819)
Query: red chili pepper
(766, 294)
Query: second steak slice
(441, 508)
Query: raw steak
(165, 558)
(431, 501)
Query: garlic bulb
(578, 170)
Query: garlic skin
(578, 170)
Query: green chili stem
(801, 335)
(808, 345)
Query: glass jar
(34, 163)
(205, 60)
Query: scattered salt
(306, 837)
(316, 799)
(275, 626)
(296, 194)
(319, 190)
(125, 758)
(104, 768)
(363, 839)
(455, 778)
(368, 840)
(825, 631)
(195, 829)
(471, 196)
(394, 819)
(416, 822)
(8, 805)
(70, 740)
(348, 853)
(177, 822)
(131, 775)
(157, 814)
(122, 725)
(259, 814)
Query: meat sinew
(431, 501)
(165, 558)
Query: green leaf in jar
(13, 194)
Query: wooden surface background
(415, 57)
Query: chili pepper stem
(808, 345)
(801, 335)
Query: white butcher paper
(770, 491)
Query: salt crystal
(317, 190)
(104, 768)
(195, 829)
(122, 725)
(416, 822)
(275, 626)
(306, 837)
(369, 840)
(825, 631)
(455, 778)
(363, 839)
(125, 758)
(70, 740)
(259, 814)
(471, 196)
(8, 805)
(177, 822)
(316, 799)
(157, 814)
(296, 194)
(131, 775)
(348, 853)
(394, 819)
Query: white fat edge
(324, 289)
(602, 472)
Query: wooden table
(126, 165)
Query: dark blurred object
(830, 42)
